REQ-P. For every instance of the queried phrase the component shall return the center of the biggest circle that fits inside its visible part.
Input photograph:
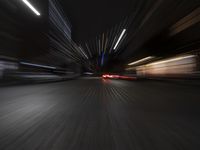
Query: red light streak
(117, 77)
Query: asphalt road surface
(96, 114)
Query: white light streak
(141, 60)
(37, 65)
(88, 73)
(122, 34)
(31, 7)
(172, 59)
(83, 52)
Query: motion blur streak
(141, 60)
(100, 75)
(104, 115)
(186, 22)
(31, 7)
(37, 65)
(182, 65)
(121, 35)
(110, 76)
(6, 65)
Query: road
(97, 114)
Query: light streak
(171, 60)
(83, 52)
(141, 60)
(120, 37)
(31, 7)
(102, 59)
(37, 65)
